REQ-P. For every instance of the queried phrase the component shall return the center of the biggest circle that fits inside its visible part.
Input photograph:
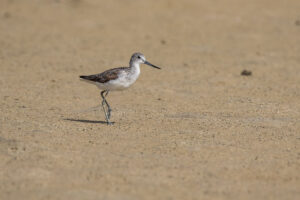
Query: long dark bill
(147, 63)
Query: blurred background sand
(196, 129)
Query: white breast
(134, 74)
(125, 79)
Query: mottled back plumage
(105, 76)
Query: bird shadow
(87, 121)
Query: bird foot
(110, 123)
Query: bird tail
(83, 77)
(87, 79)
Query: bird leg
(108, 107)
(107, 114)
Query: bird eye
(139, 57)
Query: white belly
(121, 83)
(125, 79)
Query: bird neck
(135, 67)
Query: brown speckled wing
(106, 76)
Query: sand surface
(196, 129)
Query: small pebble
(246, 73)
(6, 15)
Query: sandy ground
(196, 129)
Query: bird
(117, 79)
